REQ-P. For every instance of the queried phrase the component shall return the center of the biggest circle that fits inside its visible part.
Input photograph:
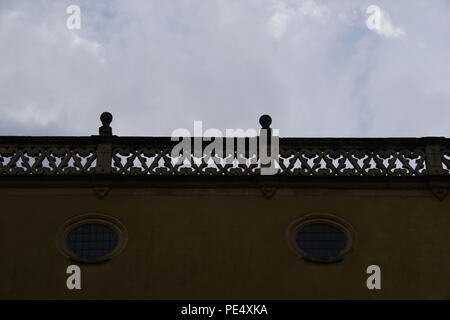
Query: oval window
(92, 238)
(92, 241)
(321, 238)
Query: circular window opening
(321, 238)
(91, 238)
(92, 241)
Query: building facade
(337, 213)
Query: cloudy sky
(313, 65)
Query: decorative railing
(148, 156)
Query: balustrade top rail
(109, 154)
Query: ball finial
(106, 118)
(265, 121)
(105, 129)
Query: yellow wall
(227, 244)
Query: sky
(315, 66)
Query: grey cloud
(160, 65)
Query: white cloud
(32, 115)
(91, 46)
(312, 9)
(278, 23)
(283, 15)
(387, 28)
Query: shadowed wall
(221, 243)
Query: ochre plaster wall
(226, 244)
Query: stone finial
(105, 129)
(265, 121)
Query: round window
(321, 238)
(92, 238)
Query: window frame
(328, 219)
(91, 218)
